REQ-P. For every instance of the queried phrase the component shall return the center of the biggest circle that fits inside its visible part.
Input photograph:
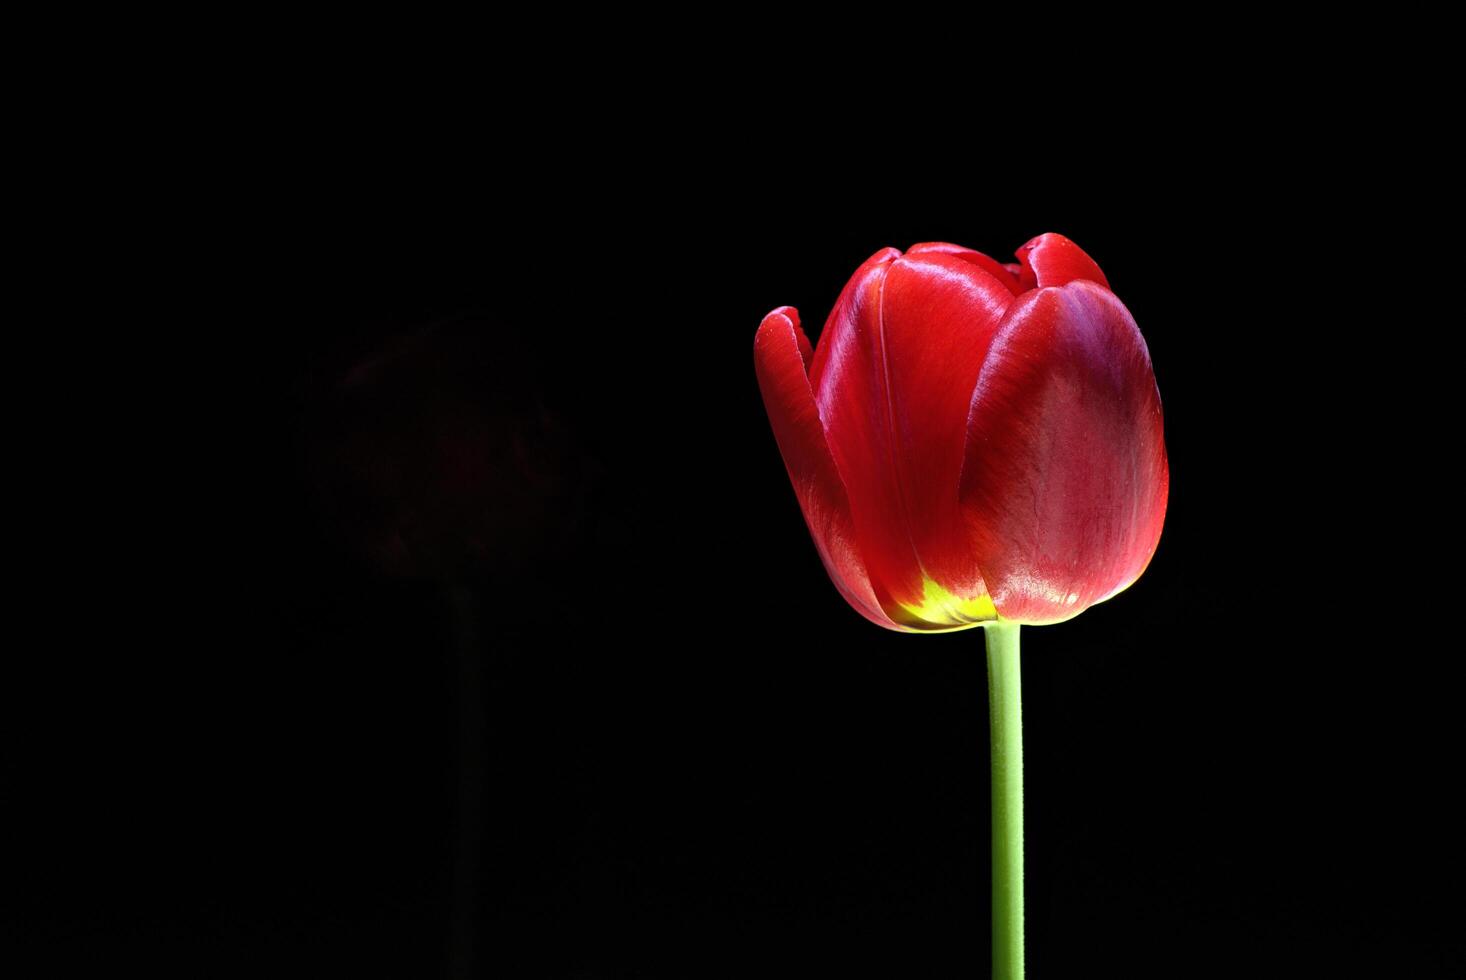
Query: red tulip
(972, 442)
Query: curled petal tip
(1053, 260)
(776, 320)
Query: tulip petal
(1053, 260)
(781, 353)
(1065, 480)
(894, 373)
(1005, 274)
(839, 341)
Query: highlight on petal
(1065, 478)
(858, 300)
(780, 356)
(1053, 260)
(893, 380)
(1005, 274)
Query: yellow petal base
(941, 611)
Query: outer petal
(840, 338)
(1065, 482)
(780, 353)
(894, 374)
(1053, 260)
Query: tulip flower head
(972, 441)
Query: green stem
(1005, 714)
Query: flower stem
(1005, 714)
(463, 925)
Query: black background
(697, 760)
